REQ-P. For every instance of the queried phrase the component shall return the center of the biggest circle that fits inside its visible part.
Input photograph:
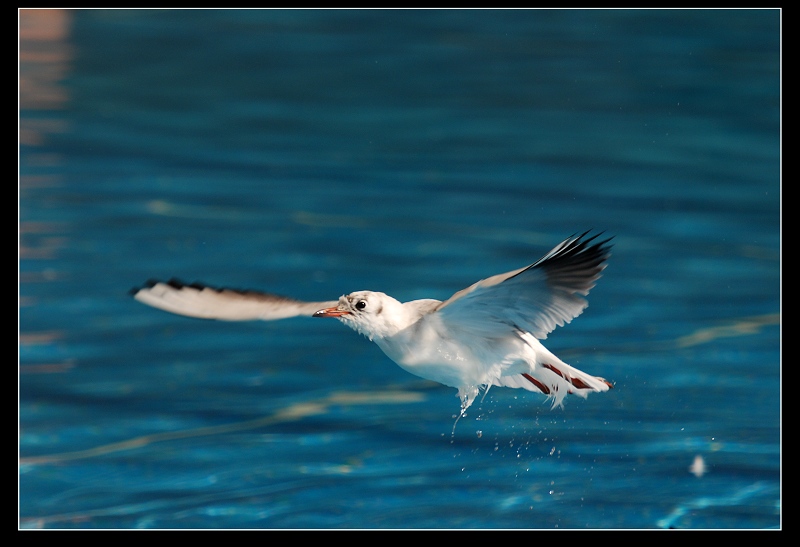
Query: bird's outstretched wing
(537, 298)
(197, 300)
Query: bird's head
(373, 314)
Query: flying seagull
(485, 335)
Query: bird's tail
(551, 376)
(556, 381)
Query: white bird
(485, 335)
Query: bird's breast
(427, 351)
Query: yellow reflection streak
(747, 325)
(291, 413)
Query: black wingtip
(176, 283)
(173, 282)
(580, 238)
(576, 244)
(149, 284)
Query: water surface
(316, 152)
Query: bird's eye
(361, 304)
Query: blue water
(312, 153)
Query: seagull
(488, 334)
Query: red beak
(330, 312)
